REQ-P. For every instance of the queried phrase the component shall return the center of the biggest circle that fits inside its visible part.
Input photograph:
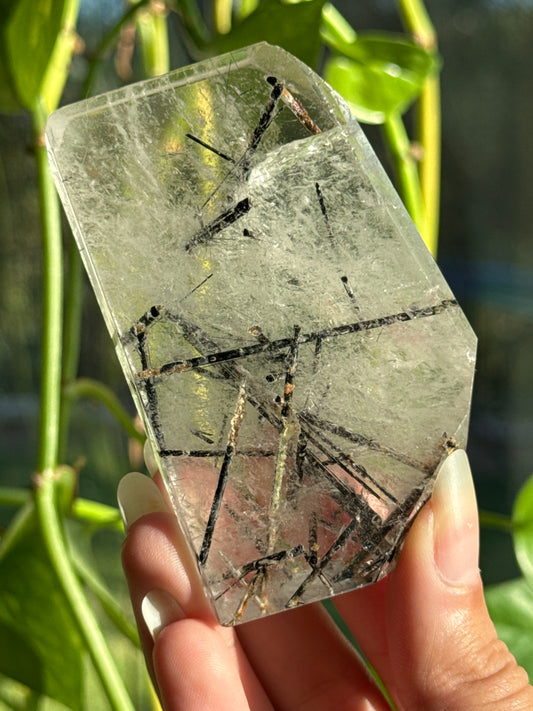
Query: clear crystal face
(299, 362)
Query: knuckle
(487, 678)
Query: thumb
(447, 652)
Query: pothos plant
(48, 589)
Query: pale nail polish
(137, 496)
(149, 458)
(159, 609)
(456, 523)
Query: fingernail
(367, 705)
(456, 523)
(149, 458)
(159, 609)
(137, 496)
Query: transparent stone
(299, 362)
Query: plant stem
(72, 326)
(406, 168)
(86, 387)
(419, 25)
(111, 607)
(71, 339)
(92, 512)
(52, 303)
(153, 30)
(85, 510)
(222, 10)
(246, 7)
(429, 138)
(88, 626)
(45, 498)
(417, 21)
(14, 496)
(334, 28)
(498, 521)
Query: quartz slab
(299, 362)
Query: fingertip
(156, 556)
(442, 546)
(434, 644)
(150, 458)
(455, 526)
(137, 496)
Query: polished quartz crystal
(299, 362)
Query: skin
(425, 628)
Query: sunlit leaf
(39, 642)
(372, 94)
(511, 608)
(37, 42)
(295, 27)
(379, 75)
(523, 530)
(392, 53)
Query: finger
(301, 658)
(304, 663)
(440, 648)
(198, 669)
(195, 663)
(152, 539)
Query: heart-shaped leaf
(37, 40)
(379, 75)
(511, 608)
(293, 26)
(523, 530)
(39, 641)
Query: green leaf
(39, 642)
(294, 26)
(18, 660)
(9, 102)
(511, 608)
(379, 75)
(37, 40)
(392, 53)
(523, 530)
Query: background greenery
(53, 606)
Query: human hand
(424, 628)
